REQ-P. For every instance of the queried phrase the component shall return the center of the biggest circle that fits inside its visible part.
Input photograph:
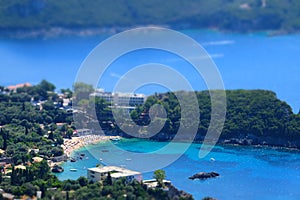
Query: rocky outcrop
(175, 194)
(57, 169)
(204, 175)
(60, 158)
(264, 140)
(244, 140)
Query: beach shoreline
(71, 145)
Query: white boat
(73, 170)
(115, 139)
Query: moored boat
(115, 139)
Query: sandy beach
(77, 142)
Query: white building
(100, 174)
(120, 99)
(152, 183)
(107, 96)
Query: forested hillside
(253, 117)
(235, 15)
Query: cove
(245, 172)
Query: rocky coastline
(46, 33)
(54, 32)
(246, 140)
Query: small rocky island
(204, 175)
(57, 169)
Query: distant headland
(49, 18)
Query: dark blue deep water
(246, 61)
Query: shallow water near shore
(245, 172)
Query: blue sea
(245, 172)
(245, 61)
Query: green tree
(46, 86)
(57, 151)
(82, 90)
(41, 170)
(69, 133)
(13, 176)
(67, 195)
(67, 92)
(108, 180)
(5, 137)
(83, 181)
(160, 175)
(1, 178)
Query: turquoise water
(246, 172)
(246, 61)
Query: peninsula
(32, 18)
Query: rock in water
(204, 175)
(57, 169)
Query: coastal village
(73, 141)
(221, 118)
(38, 134)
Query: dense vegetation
(253, 117)
(28, 122)
(34, 118)
(38, 178)
(256, 115)
(236, 15)
(28, 125)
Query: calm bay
(245, 172)
(245, 61)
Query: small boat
(115, 139)
(212, 159)
(82, 154)
(73, 160)
(100, 159)
(73, 170)
(128, 159)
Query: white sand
(77, 142)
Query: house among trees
(37, 159)
(13, 88)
